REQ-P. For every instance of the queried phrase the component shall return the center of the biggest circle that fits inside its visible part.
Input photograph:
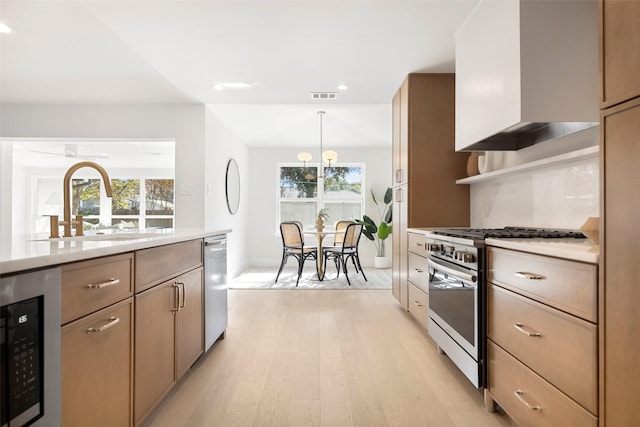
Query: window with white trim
(136, 202)
(301, 193)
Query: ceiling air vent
(324, 95)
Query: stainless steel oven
(456, 304)
(30, 349)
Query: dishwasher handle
(215, 242)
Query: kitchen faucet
(67, 222)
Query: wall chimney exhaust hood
(526, 72)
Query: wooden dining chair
(293, 246)
(348, 250)
(338, 238)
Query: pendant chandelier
(325, 156)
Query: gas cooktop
(509, 232)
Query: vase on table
(319, 224)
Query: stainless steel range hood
(526, 72)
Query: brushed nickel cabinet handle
(110, 282)
(183, 300)
(521, 328)
(398, 175)
(530, 276)
(416, 302)
(112, 321)
(176, 296)
(519, 394)
(399, 195)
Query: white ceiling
(125, 52)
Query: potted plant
(378, 231)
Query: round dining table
(320, 235)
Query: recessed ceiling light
(4, 28)
(343, 87)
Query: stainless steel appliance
(215, 289)
(457, 291)
(30, 349)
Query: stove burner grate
(510, 232)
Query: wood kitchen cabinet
(619, 294)
(418, 277)
(169, 323)
(620, 51)
(97, 368)
(620, 234)
(97, 342)
(425, 166)
(538, 308)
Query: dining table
(320, 235)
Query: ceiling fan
(71, 151)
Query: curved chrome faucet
(66, 221)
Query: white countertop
(582, 250)
(19, 253)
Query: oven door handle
(452, 272)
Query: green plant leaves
(384, 230)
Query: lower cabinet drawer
(419, 304)
(419, 272)
(417, 243)
(90, 285)
(529, 399)
(161, 263)
(569, 286)
(536, 334)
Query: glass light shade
(330, 156)
(304, 156)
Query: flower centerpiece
(377, 231)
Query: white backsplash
(562, 196)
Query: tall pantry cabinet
(425, 166)
(620, 204)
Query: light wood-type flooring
(323, 358)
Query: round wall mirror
(233, 186)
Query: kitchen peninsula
(126, 310)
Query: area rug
(263, 278)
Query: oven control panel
(454, 252)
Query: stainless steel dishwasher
(215, 289)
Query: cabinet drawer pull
(416, 302)
(176, 296)
(419, 270)
(530, 276)
(184, 296)
(112, 321)
(519, 395)
(521, 328)
(399, 195)
(110, 282)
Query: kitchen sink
(104, 236)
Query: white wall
(265, 246)
(554, 197)
(222, 144)
(183, 123)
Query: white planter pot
(382, 262)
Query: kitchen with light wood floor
(323, 358)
